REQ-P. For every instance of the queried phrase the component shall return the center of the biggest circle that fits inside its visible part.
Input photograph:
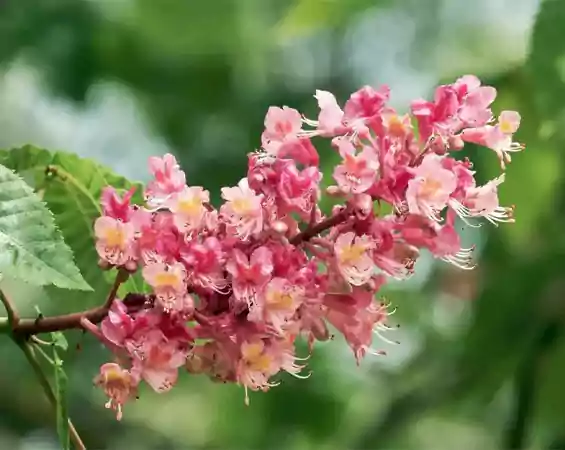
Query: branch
(314, 230)
(13, 316)
(30, 356)
(28, 327)
(121, 277)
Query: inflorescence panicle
(234, 287)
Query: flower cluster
(234, 287)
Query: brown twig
(312, 231)
(28, 327)
(13, 316)
(121, 277)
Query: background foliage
(118, 81)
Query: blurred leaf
(308, 16)
(546, 62)
(31, 246)
(61, 398)
(72, 187)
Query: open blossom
(188, 208)
(282, 125)
(353, 258)
(114, 240)
(428, 192)
(362, 107)
(497, 137)
(243, 209)
(249, 275)
(168, 179)
(205, 264)
(299, 189)
(157, 360)
(475, 101)
(261, 359)
(235, 288)
(358, 171)
(118, 384)
(358, 317)
(278, 304)
(483, 201)
(168, 283)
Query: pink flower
(497, 137)
(260, 360)
(298, 189)
(115, 206)
(114, 240)
(169, 283)
(281, 125)
(205, 264)
(330, 119)
(475, 101)
(428, 192)
(188, 207)
(483, 201)
(301, 150)
(159, 238)
(396, 126)
(360, 110)
(446, 245)
(168, 179)
(356, 173)
(365, 105)
(243, 210)
(358, 318)
(249, 274)
(353, 258)
(118, 384)
(157, 360)
(118, 326)
(280, 301)
(439, 117)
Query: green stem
(44, 382)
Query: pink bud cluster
(235, 287)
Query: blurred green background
(481, 364)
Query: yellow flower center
(165, 279)
(241, 206)
(190, 207)
(279, 299)
(395, 126)
(430, 187)
(352, 253)
(506, 127)
(115, 237)
(255, 357)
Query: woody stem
(316, 229)
(27, 327)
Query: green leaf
(61, 397)
(71, 186)
(31, 247)
(307, 16)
